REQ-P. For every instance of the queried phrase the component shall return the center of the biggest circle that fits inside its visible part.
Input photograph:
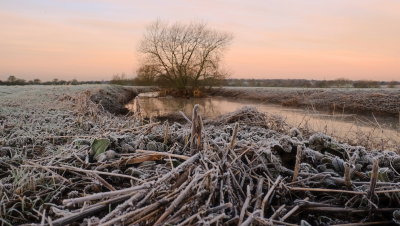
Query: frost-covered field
(64, 158)
(352, 100)
(37, 112)
(34, 111)
(15, 93)
(40, 122)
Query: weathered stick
(142, 158)
(166, 132)
(245, 205)
(104, 182)
(178, 200)
(189, 219)
(197, 126)
(277, 212)
(250, 219)
(292, 211)
(326, 190)
(138, 109)
(299, 155)
(234, 134)
(120, 208)
(266, 197)
(136, 213)
(341, 191)
(148, 216)
(101, 195)
(64, 167)
(347, 209)
(183, 157)
(259, 193)
(216, 219)
(89, 211)
(46, 168)
(211, 210)
(387, 191)
(374, 177)
(347, 178)
(174, 172)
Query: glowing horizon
(296, 39)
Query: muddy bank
(114, 98)
(365, 101)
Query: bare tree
(184, 55)
(12, 79)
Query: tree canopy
(183, 55)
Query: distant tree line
(338, 83)
(142, 79)
(13, 80)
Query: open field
(73, 154)
(350, 100)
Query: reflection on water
(384, 129)
(210, 107)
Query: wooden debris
(347, 174)
(299, 155)
(166, 132)
(234, 134)
(210, 176)
(374, 178)
(197, 126)
(292, 211)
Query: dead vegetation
(85, 165)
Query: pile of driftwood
(254, 176)
(235, 170)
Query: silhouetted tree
(11, 79)
(392, 84)
(36, 81)
(183, 54)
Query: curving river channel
(346, 127)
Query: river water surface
(384, 130)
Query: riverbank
(65, 158)
(373, 132)
(349, 100)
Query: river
(345, 127)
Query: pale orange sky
(312, 39)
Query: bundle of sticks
(236, 184)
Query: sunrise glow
(92, 40)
